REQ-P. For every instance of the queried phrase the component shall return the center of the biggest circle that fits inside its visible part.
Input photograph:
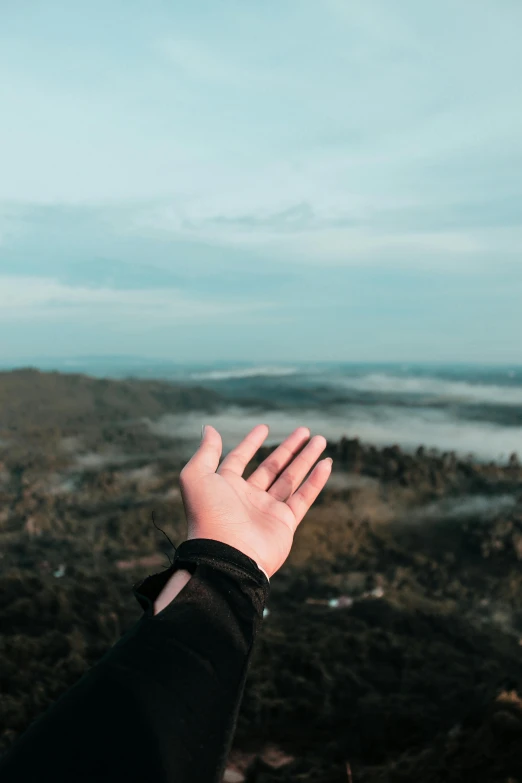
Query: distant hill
(29, 398)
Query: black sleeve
(161, 706)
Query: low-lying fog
(408, 427)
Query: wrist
(172, 588)
(235, 544)
(263, 570)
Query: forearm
(162, 704)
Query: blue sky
(257, 181)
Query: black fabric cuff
(214, 554)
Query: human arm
(162, 704)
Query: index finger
(237, 459)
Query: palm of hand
(258, 516)
(227, 508)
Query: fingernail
(203, 431)
(330, 460)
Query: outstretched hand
(259, 515)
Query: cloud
(297, 234)
(431, 388)
(34, 298)
(197, 61)
(294, 218)
(357, 246)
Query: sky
(261, 181)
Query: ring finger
(264, 475)
(292, 477)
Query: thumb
(206, 459)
